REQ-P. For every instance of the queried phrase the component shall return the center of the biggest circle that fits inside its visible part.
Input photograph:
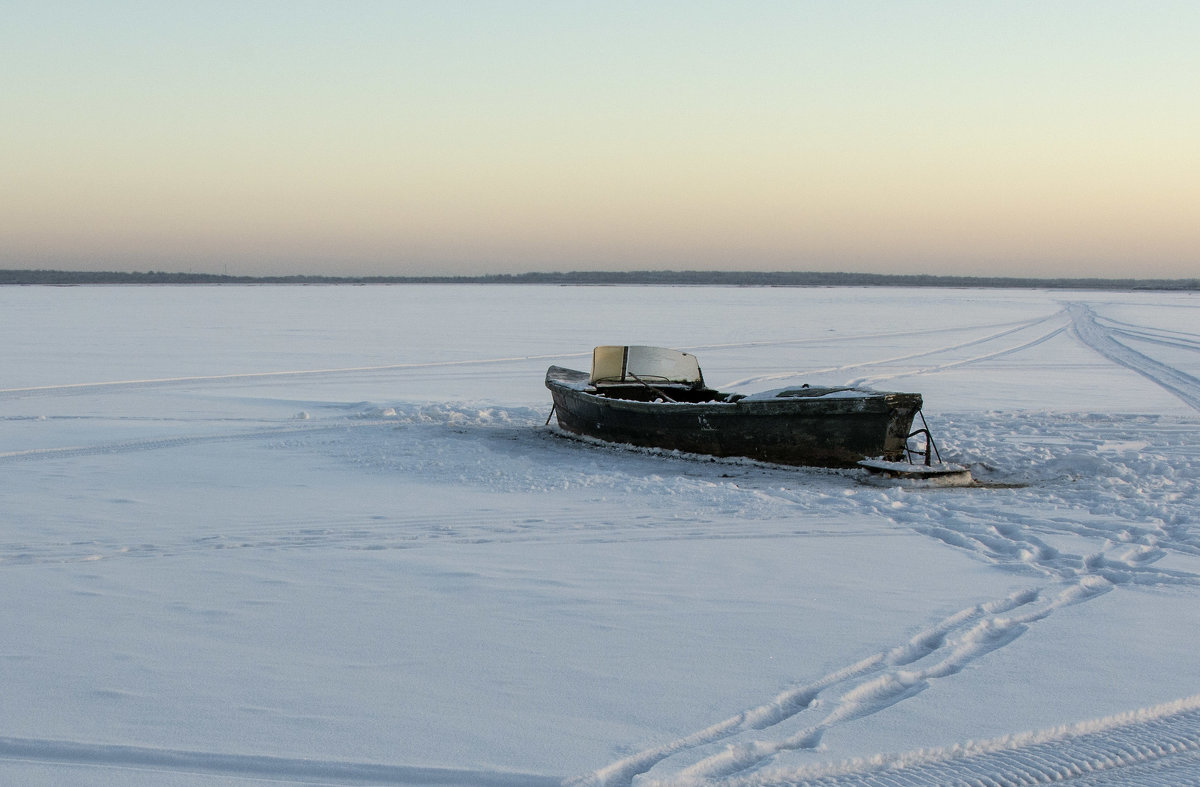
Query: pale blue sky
(1000, 138)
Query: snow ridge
(1103, 751)
(311, 771)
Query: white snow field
(322, 535)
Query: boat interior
(649, 391)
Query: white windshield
(612, 364)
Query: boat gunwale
(749, 404)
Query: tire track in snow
(91, 387)
(1145, 335)
(154, 444)
(1185, 338)
(371, 418)
(989, 356)
(1087, 328)
(1009, 329)
(388, 532)
(838, 339)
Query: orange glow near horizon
(763, 138)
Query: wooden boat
(656, 397)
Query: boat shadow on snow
(889, 474)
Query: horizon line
(634, 277)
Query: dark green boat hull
(803, 428)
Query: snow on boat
(656, 397)
(882, 472)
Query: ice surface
(323, 535)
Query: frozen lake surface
(323, 535)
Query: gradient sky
(1046, 138)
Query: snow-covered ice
(323, 535)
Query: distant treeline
(724, 278)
